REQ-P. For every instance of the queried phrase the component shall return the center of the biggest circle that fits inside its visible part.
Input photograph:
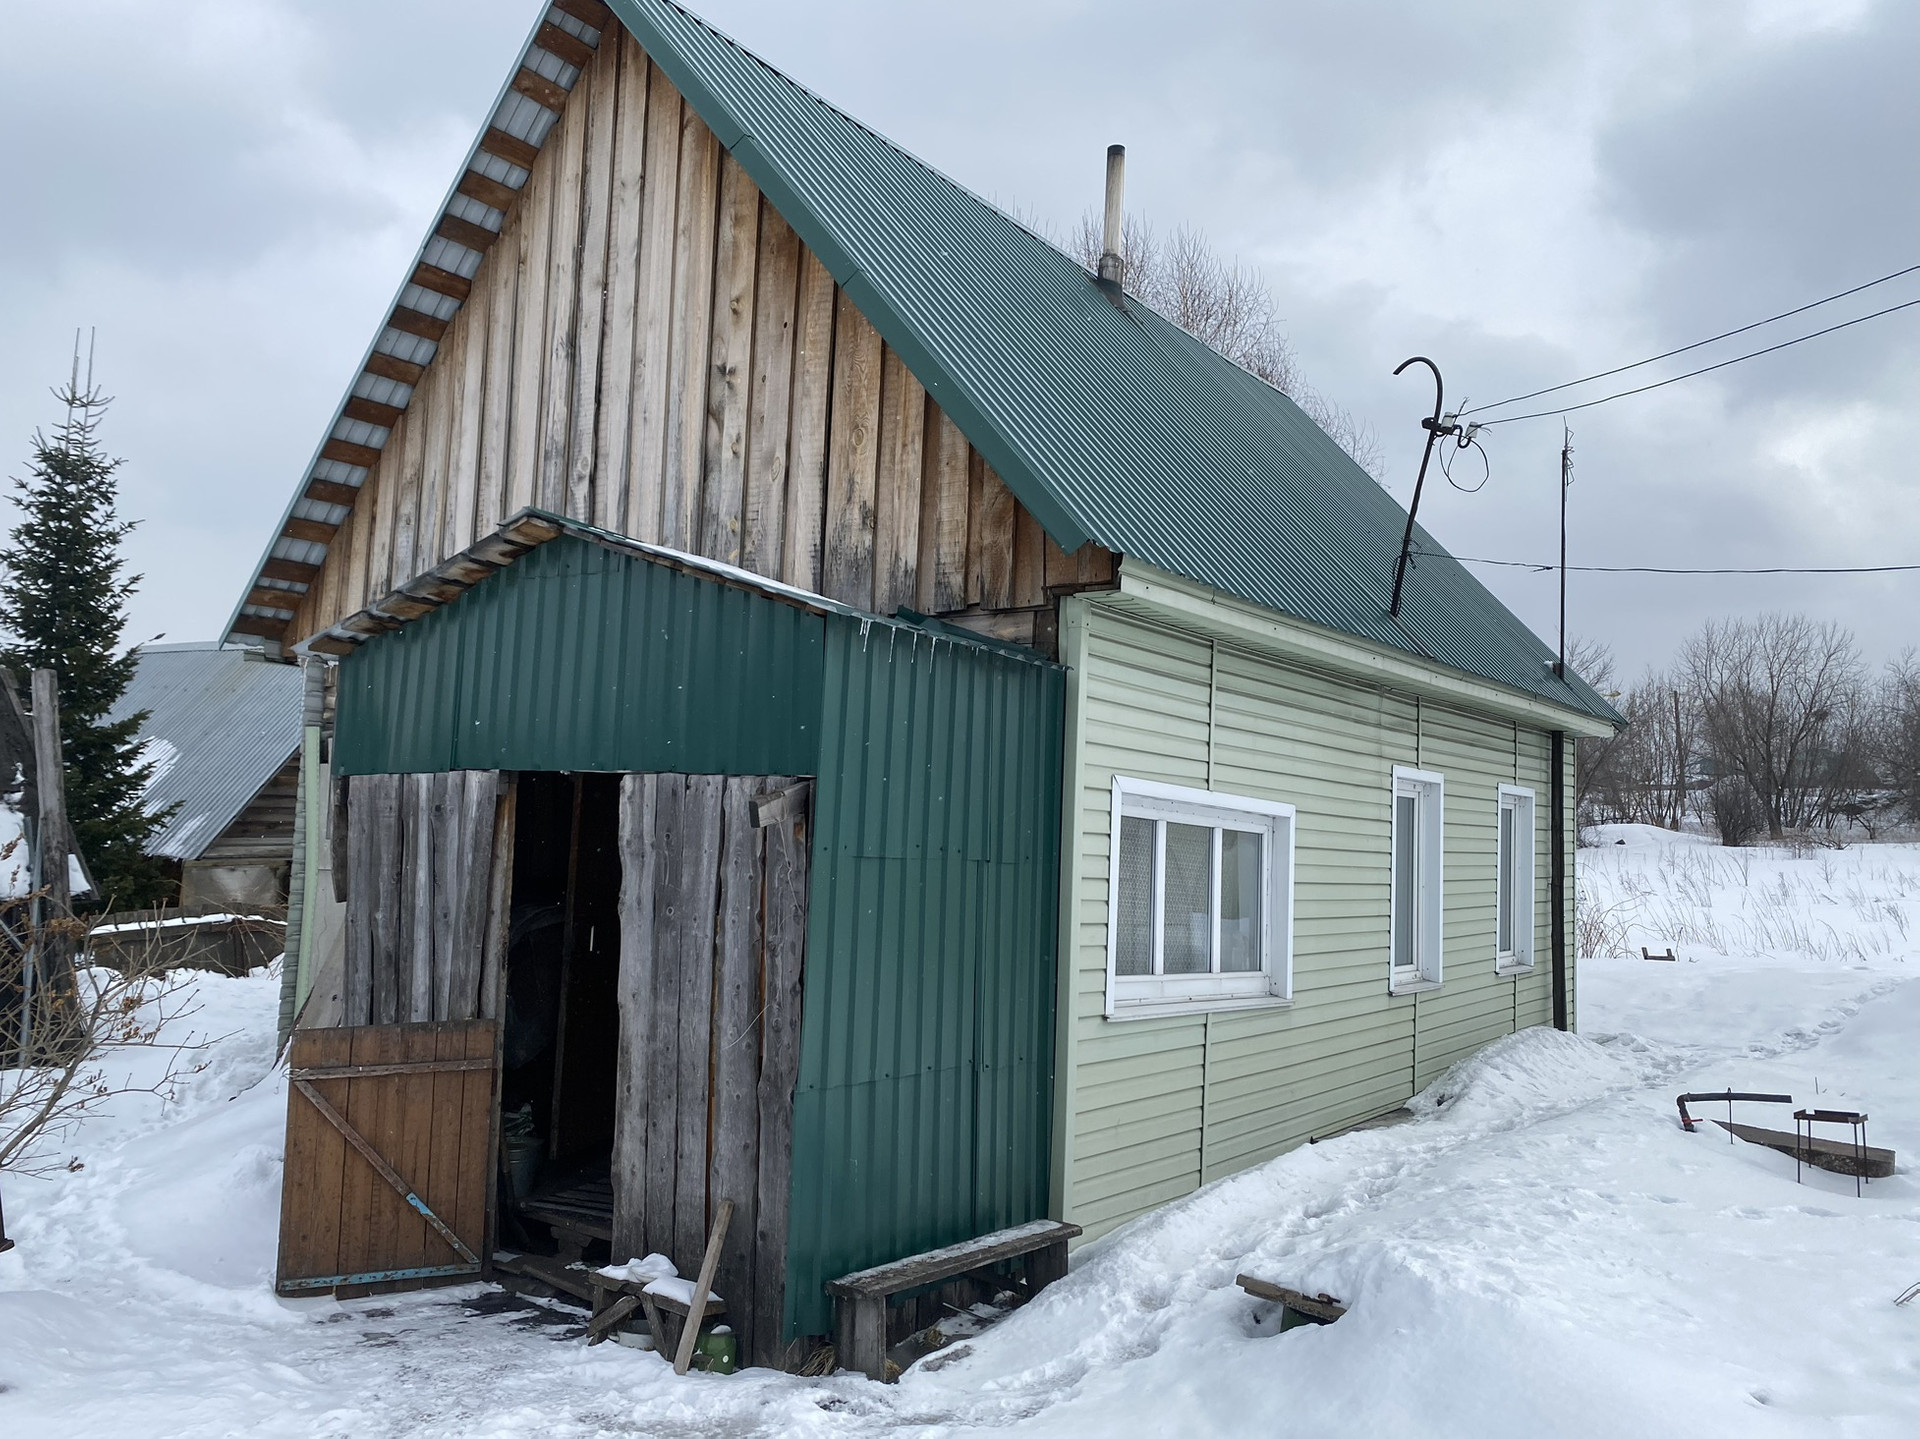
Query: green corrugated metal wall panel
(577, 657)
(925, 1090)
(1163, 1105)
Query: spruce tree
(63, 606)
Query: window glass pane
(1187, 947)
(1133, 944)
(1406, 816)
(1509, 863)
(1240, 901)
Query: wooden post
(697, 1307)
(54, 944)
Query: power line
(1677, 570)
(1703, 370)
(1725, 335)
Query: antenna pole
(1566, 481)
(1434, 430)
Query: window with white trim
(1414, 925)
(1513, 924)
(1200, 902)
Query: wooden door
(713, 919)
(389, 1156)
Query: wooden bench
(1296, 1308)
(614, 1301)
(860, 1320)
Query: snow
(642, 1271)
(15, 869)
(1541, 1249)
(680, 1291)
(186, 922)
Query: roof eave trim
(1342, 653)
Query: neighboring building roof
(221, 723)
(1107, 421)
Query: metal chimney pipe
(1113, 267)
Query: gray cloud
(231, 188)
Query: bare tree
(1894, 740)
(1593, 758)
(1779, 699)
(1229, 307)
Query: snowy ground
(1543, 1251)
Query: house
(726, 488)
(222, 731)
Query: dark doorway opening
(560, 1050)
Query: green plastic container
(719, 1348)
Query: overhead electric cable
(1703, 370)
(1712, 339)
(1545, 568)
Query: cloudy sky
(230, 191)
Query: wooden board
(426, 1113)
(713, 922)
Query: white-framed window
(1199, 900)
(1413, 938)
(1513, 905)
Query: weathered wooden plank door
(713, 919)
(389, 1154)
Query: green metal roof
(1109, 423)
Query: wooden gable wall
(650, 348)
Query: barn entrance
(650, 1031)
(560, 1031)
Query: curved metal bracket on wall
(1434, 430)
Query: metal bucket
(524, 1155)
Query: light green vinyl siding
(1153, 1108)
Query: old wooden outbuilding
(937, 727)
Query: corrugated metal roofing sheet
(221, 723)
(1109, 422)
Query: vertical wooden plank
(944, 509)
(443, 383)
(471, 332)
(783, 958)
(316, 1156)
(385, 480)
(362, 901)
(615, 415)
(699, 861)
(568, 146)
(696, 225)
(358, 533)
(897, 485)
(638, 858)
(533, 217)
(663, 1037)
(653, 309)
(390, 915)
(1029, 582)
(730, 367)
(735, 1146)
(1058, 567)
(416, 986)
(596, 202)
(807, 442)
(473, 802)
(501, 275)
(777, 277)
(448, 790)
(493, 958)
(846, 566)
(412, 477)
(990, 541)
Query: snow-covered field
(1541, 1251)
